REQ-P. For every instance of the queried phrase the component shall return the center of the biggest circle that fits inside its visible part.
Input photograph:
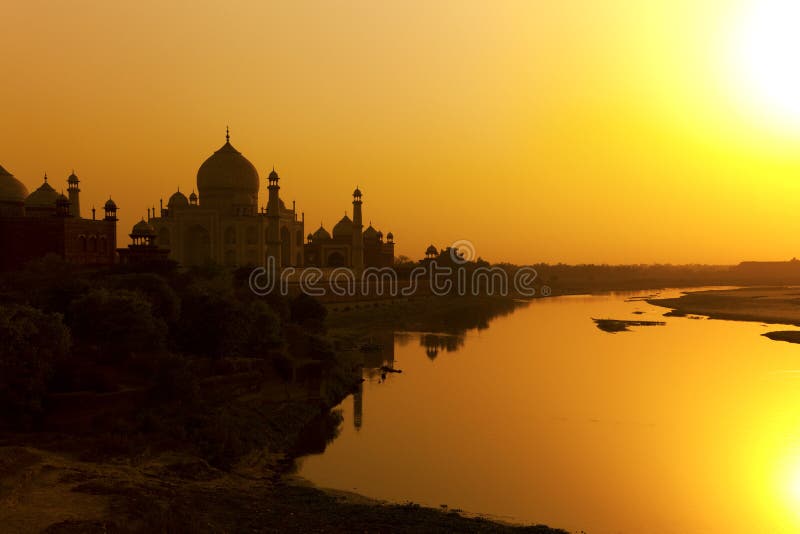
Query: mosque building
(223, 223)
(48, 222)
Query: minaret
(74, 195)
(274, 218)
(358, 238)
(111, 210)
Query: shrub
(32, 343)
(116, 323)
(306, 310)
(217, 324)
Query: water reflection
(434, 343)
(358, 407)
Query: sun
(767, 56)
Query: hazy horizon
(581, 132)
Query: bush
(116, 323)
(217, 324)
(307, 311)
(32, 343)
(163, 300)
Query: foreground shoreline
(66, 481)
(51, 492)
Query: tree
(217, 324)
(164, 301)
(116, 323)
(307, 311)
(33, 341)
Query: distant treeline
(563, 278)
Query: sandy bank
(43, 491)
(761, 304)
(774, 305)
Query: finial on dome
(45, 177)
(227, 135)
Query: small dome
(371, 233)
(431, 250)
(321, 234)
(44, 197)
(110, 205)
(177, 201)
(11, 189)
(380, 234)
(273, 175)
(310, 237)
(390, 236)
(72, 178)
(193, 197)
(357, 192)
(143, 229)
(343, 228)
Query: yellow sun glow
(788, 473)
(767, 54)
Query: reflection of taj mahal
(224, 224)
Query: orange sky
(574, 131)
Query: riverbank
(772, 305)
(445, 314)
(54, 493)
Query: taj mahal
(223, 223)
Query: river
(691, 427)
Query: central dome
(11, 189)
(227, 177)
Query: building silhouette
(220, 223)
(47, 222)
(349, 246)
(223, 223)
(143, 249)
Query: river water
(691, 427)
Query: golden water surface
(691, 427)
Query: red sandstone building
(46, 222)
